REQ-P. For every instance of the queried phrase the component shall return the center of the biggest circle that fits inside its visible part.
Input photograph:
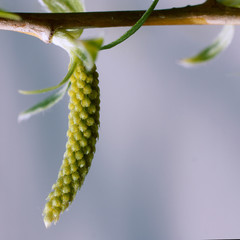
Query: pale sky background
(168, 159)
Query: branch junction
(43, 25)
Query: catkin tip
(47, 223)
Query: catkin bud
(80, 147)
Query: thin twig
(43, 25)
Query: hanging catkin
(82, 134)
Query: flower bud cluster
(82, 134)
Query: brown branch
(211, 2)
(43, 25)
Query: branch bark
(43, 25)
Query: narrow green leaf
(230, 3)
(8, 15)
(133, 29)
(47, 103)
(69, 74)
(222, 41)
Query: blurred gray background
(167, 164)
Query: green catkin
(82, 133)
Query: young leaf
(63, 6)
(85, 50)
(8, 15)
(133, 29)
(219, 44)
(230, 3)
(69, 74)
(44, 105)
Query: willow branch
(43, 25)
